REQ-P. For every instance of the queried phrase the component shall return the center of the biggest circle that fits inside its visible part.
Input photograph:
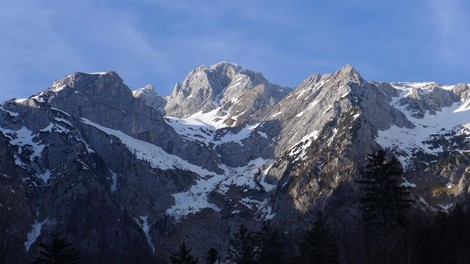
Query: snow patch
(45, 176)
(34, 233)
(114, 179)
(20, 100)
(12, 114)
(202, 127)
(57, 87)
(413, 140)
(25, 140)
(98, 73)
(237, 137)
(62, 120)
(191, 129)
(265, 211)
(445, 207)
(146, 228)
(250, 203)
(312, 104)
(407, 184)
(262, 134)
(196, 198)
(146, 151)
(60, 111)
(300, 148)
(55, 128)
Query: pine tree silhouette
(270, 247)
(242, 248)
(184, 256)
(57, 251)
(318, 245)
(212, 256)
(385, 202)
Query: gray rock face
(16, 210)
(104, 99)
(321, 99)
(430, 98)
(128, 176)
(150, 98)
(240, 95)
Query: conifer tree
(212, 256)
(58, 250)
(318, 244)
(184, 256)
(242, 248)
(385, 202)
(270, 247)
(459, 234)
(2, 252)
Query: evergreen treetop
(57, 250)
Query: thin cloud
(451, 24)
(55, 39)
(159, 41)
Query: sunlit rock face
(237, 94)
(129, 175)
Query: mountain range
(127, 176)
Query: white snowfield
(202, 127)
(26, 141)
(143, 150)
(34, 233)
(196, 198)
(455, 118)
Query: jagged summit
(349, 73)
(227, 68)
(222, 86)
(90, 84)
(148, 95)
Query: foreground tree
(385, 202)
(58, 250)
(212, 256)
(260, 247)
(3, 252)
(269, 243)
(184, 256)
(443, 239)
(242, 248)
(318, 244)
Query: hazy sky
(159, 42)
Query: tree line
(390, 233)
(265, 246)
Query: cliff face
(128, 176)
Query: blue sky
(159, 42)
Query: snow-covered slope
(226, 148)
(448, 120)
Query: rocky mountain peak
(349, 73)
(92, 84)
(231, 70)
(210, 87)
(148, 95)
